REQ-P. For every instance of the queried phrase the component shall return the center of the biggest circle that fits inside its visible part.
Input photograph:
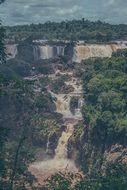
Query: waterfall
(81, 51)
(36, 53)
(78, 112)
(85, 51)
(61, 162)
(11, 50)
(63, 102)
(47, 51)
(61, 150)
(63, 105)
(48, 143)
(60, 50)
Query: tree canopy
(69, 30)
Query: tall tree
(3, 131)
(2, 35)
(2, 48)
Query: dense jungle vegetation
(27, 118)
(105, 124)
(105, 116)
(69, 30)
(27, 114)
(105, 92)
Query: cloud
(39, 11)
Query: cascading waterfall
(63, 105)
(78, 112)
(46, 52)
(11, 50)
(61, 162)
(61, 150)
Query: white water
(47, 51)
(63, 106)
(11, 50)
(63, 100)
(60, 162)
(47, 145)
(62, 148)
(49, 167)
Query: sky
(18, 12)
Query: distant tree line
(69, 30)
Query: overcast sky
(14, 12)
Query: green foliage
(2, 48)
(115, 179)
(44, 103)
(15, 106)
(21, 68)
(26, 116)
(25, 52)
(120, 53)
(58, 85)
(74, 103)
(58, 182)
(44, 68)
(69, 30)
(105, 97)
